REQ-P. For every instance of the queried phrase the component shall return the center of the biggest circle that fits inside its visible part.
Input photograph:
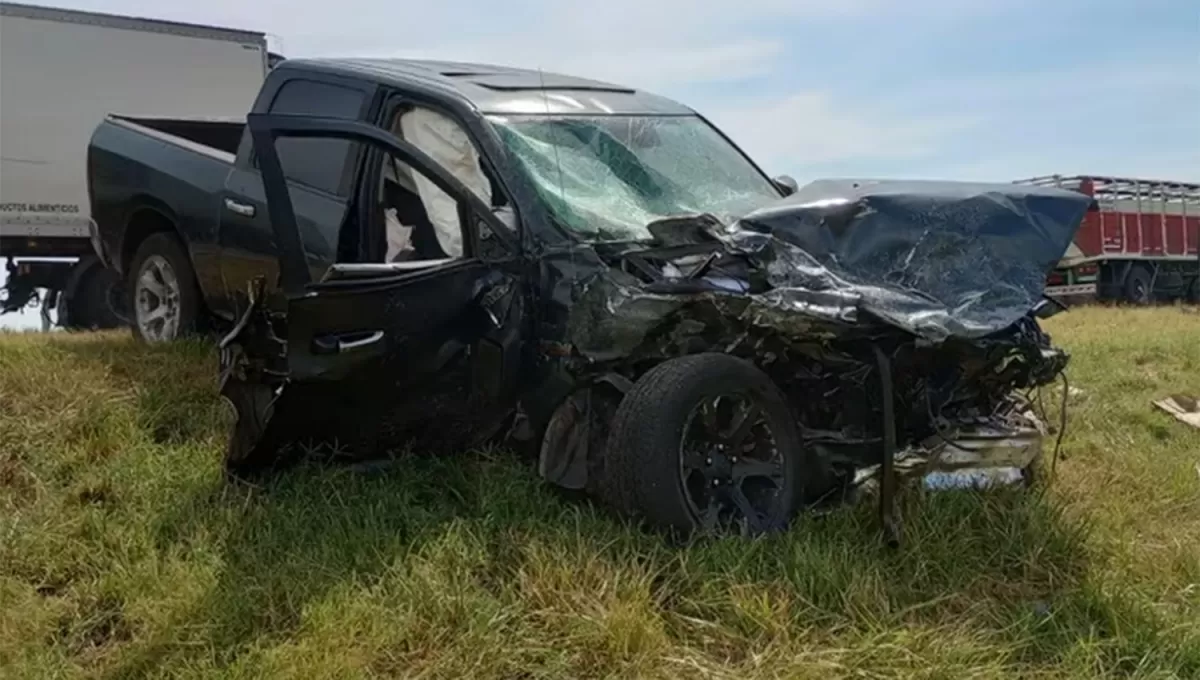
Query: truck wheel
(90, 307)
(163, 295)
(707, 442)
(1193, 293)
(1138, 286)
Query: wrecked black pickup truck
(599, 275)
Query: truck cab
(200, 202)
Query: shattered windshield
(606, 177)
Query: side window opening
(422, 222)
(314, 162)
(412, 230)
(316, 168)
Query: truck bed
(218, 137)
(174, 167)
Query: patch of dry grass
(123, 553)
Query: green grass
(123, 553)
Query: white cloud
(1173, 165)
(673, 65)
(814, 128)
(641, 42)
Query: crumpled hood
(938, 259)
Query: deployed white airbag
(447, 143)
(399, 235)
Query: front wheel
(707, 442)
(1139, 286)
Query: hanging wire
(1062, 422)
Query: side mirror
(1048, 307)
(786, 184)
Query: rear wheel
(707, 442)
(163, 296)
(91, 305)
(1193, 292)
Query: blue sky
(944, 88)
(924, 88)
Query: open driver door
(425, 350)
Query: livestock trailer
(1141, 244)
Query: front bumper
(980, 453)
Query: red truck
(1141, 245)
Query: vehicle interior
(422, 223)
(411, 223)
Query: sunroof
(515, 82)
(548, 86)
(466, 74)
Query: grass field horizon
(124, 552)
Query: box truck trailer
(61, 73)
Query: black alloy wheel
(707, 442)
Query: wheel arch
(146, 215)
(564, 457)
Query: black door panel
(404, 370)
(399, 354)
(248, 244)
(318, 172)
(413, 312)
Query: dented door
(425, 352)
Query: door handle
(240, 208)
(338, 344)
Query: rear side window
(318, 163)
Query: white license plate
(1070, 291)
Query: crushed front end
(900, 319)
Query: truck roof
(1117, 188)
(130, 23)
(1074, 180)
(503, 89)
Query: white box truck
(61, 72)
